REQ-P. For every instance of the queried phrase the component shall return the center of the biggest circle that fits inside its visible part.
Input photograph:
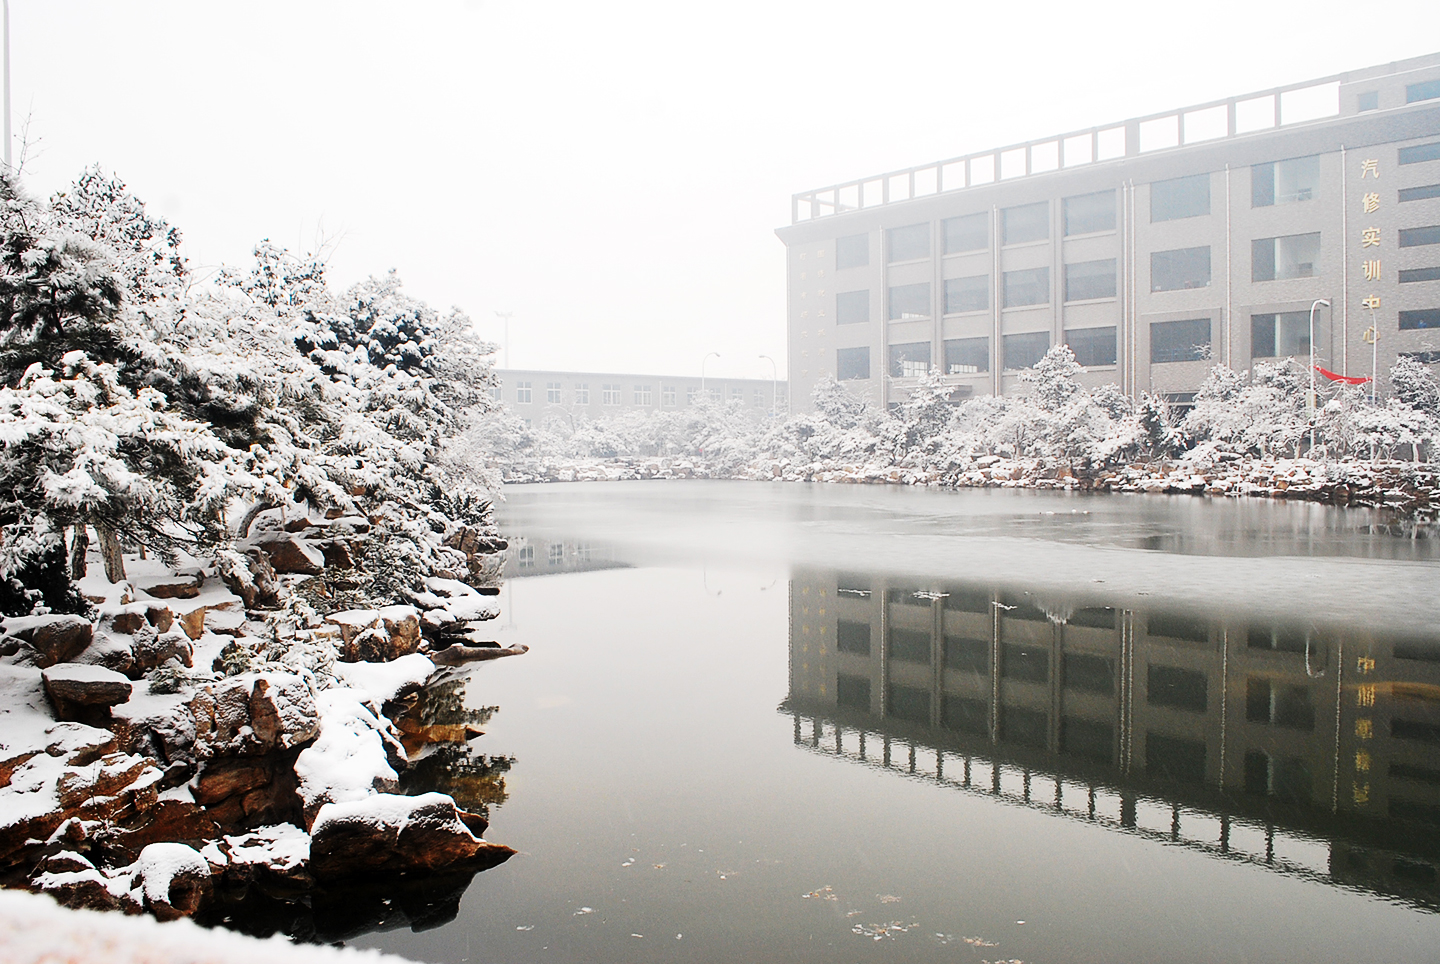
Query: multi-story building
(1234, 734)
(535, 395)
(1154, 248)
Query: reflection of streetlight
(702, 372)
(1372, 338)
(774, 385)
(1313, 400)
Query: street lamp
(702, 372)
(1372, 338)
(506, 316)
(774, 385)
(1313, 400)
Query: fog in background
(610, 173)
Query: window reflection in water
(1313, 750)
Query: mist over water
(827, 723)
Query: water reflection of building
(540, 557)
(1309, 749)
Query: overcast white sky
(611, 173)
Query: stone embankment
(210, 734)
(1403, 485)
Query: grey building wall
(1354, 183)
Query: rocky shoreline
(1408, 486)
(210, 745)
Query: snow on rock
(458, 599)
(36, 930)
(254, 713)
(392, 833)
(76, 683)
(354, 756)
(50, 639)
(282, 849)
(174, 879)
(385, 681)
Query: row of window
(1274, 182)
(613, 394)
(1271, 259)
(1272, 335)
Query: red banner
(1347, 379)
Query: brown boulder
(225, 778)
(88, 685)
(290, 554)
(52, 639)
(251, 577)
(174, 878)
(387, 833)
(252, 714)
(182, 585)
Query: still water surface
(824, 723)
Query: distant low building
(1155, 247)
(536, 394)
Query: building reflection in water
(542, 557)
(1311, 750)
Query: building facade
(536, 395)
(1155, 248)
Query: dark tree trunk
(79, 546)
(110, 552)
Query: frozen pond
(795, 723)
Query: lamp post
(1372, 338)
(1313, 400)
(506, 316)
(702, 372)
(774, 385)
(7, 85)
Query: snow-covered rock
(390, 833)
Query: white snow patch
(385, 681)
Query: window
(909, 703)
(1089, 213)
(1028, 222)
(642, 395)
(1423, 357)
(610, 395)
(555, 553)
(1280, 335)
(1180, 269)
(1093, 617)
(967, 655)
(1284, 182)
(1425, 90)
(1420, 152)
(910, 301)
(852, 691)
(1417, 237)
(1025, 351)
(1369, 100)
(968, 233)
(1087, 739)
(526, 556)
(498, 392)
(967, 715)
(1089, 674)
(1183, 197)
(552, 393)
(1024, 727)
(690, 394)
(1410, 275)
(909, 243)
(1086, 280)
(910, 361)
(667, 396)
(852, 637)
(1092, 346)
(582, 394)
(967, 294)
(1293, 256)
(852, 363)
(1174, 758)
(1178, 341)
(852, 252)
(522, 392)
(1288, 780)
(1029, 286)
(737, 394)
(1177, 626)
(1419, 193)
(909, 646)
(1281, 705)
(1415, 320)
(967, 356)
(969, 600)
(852, 307)
(1179, 689)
